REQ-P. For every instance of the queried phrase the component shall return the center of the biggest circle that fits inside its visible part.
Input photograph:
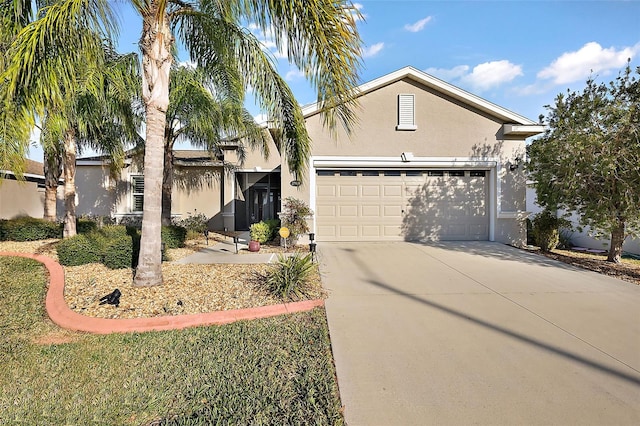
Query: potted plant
(260, 233)
(294, 216)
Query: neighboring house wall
(581, 239)
(26, 197)
(20, 198)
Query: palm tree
(320, 38)
(202, 116)
(86, 104)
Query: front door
(258, 203)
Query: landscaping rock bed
(187, 289)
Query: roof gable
(441, 86)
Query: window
(137, 192)
(370, 173)
(326, 172)
(348, 173)
(456, 173)
(392, 173)
(413, 173)
(406, 113)
(435, 173)
(477, 173)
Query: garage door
(392, 205)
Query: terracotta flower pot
(254, 246)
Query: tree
(203, 116)
(588, 159)
(320, 38)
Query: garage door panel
(371, 211)
(370, 190)
(392, 211)
(326, 191)
(349, 211)
(348, 190)
(379, 205)
(328, 211)
(370, 231)
(347, 231)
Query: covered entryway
(396, 205)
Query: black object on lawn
(112, 298)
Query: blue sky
(517, 54)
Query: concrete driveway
(479, 333)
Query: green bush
(27, 228)
(274, 225)
(173, 236)
(260, 232)
(289, 275)
(3, 229)
(194, 224)
(118, 252)
(78, 250)
(546, 229)
(114, 231)
(85, 225)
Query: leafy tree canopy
(588, 160)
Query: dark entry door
(258, 203)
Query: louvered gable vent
(406, 112)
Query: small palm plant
(289, 275)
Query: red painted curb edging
(60, 313)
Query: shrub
(294, 216)
(30, 229)
(78, 250)
(118, 252)
(289, 275)
(273, 224)
(3, 229)
(114, 231)
(85, 225)
(173, 236)
(195, 224)
(260, 232)
(545, 229)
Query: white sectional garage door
(392, 205)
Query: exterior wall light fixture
(515, 164)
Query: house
(427, 160)
(24, 197)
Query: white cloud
(448, 74)
(372, 50)
(492, 74)
(578, 65)
(482, 77)
(293, 74)
(418, 26)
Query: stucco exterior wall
(20, 198)
(446, 128)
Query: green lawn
(271, 371)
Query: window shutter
(406, 112)
(137, 190)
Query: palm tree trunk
(155, 44)
(52, 173)
(69, 184)
(617, 240)
(167, 184)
